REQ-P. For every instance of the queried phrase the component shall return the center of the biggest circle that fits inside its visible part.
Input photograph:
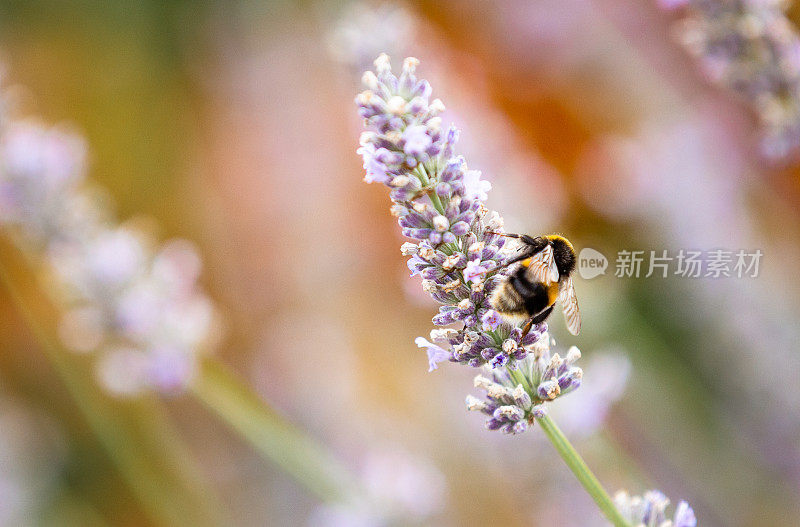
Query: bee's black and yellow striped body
(522, 295)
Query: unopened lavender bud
(444, 190)
(474, 404)
(471, 338)
(399, 181)
(370, 80)
(494, 424)
(539, 411)
(460, 228)
(436, 107)
(410, 65)
(499, 393)
(449, 263)
(429, 286)
(509, 413)
(475, 249)
(570, 380)
(397, 211)
(488, 353)
(367, 138)
(426, 252)
(409, 249)
(396, 105)
(417, 105)
(549, 390)
(518, 427)
(552, 368)
(431, 273)
(509, 346)
(452, 285)
(440, 223)
(364, 98)
(482, 382)
(443, 319)
(521, 397)
(573, 354)
(465, 306)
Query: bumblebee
(541, 278)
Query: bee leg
(526, 253)
(527, 328)
(541, 317)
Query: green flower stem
(137, 439)
(225, 395)
(582, 472)
(275, 438)
(520, 378)
(425, 181)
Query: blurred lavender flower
(363, 30)
(584, 413)
(137, 305)
(650, 510)
(402, 490)
(513, 401)
(750, 47)
(439, 203)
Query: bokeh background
(233, 124)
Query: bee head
(563, 254)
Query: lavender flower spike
(650, 510)
(439, 204)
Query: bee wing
(569, 305)
(543, 266)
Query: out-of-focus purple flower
(751, 48)
(137, 306)
(650, 510)
(584, 413)
(402, 490)
(364, 29)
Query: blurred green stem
(582, 472)
(275, 438)
(137, 439)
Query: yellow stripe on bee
(526, 262)
(552, 293)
